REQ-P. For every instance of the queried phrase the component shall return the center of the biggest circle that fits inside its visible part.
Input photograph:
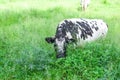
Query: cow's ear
(50, 39)
(70, 40)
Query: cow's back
(83, 30)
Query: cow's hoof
(61, 55)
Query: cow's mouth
(61, 55)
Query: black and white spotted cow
(77, 31)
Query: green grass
(24, 54)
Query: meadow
(24, 54)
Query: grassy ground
(24, 54)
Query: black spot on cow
(71, 23)
(84, 20)
(60, 32)
(85, 29)
(83, 35)
(95, 27)
(69, 26)
(66, 26)
(66, 21)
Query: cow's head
(60, 45)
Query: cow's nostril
(62, 55)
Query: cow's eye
(55, 45)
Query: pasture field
(24, 54)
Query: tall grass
(24, 54)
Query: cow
(78, 31)
(84, 4)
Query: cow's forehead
(60, 44)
